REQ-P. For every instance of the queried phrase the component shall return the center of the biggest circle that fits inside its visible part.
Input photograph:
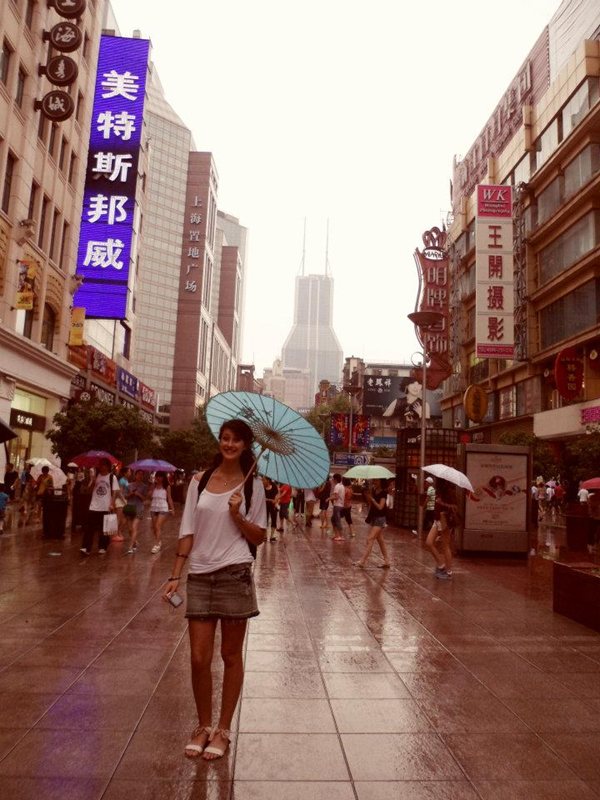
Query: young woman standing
(161, 504)
(216, 532)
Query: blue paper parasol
(287, 448)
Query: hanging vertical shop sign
(568, 373)
(494, 297)
(77, 324)
(69, 9)
(26, 285)
(432, 267)
(105, 240)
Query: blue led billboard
(105, 239)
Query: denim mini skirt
(227, 593)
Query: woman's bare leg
(202, 640)
(446, 535)
(373, 534)
(232, 641)
(382, 547)
(432, 547)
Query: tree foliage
(189, 448)
(582, 457)
(543, 456)
(120, 430)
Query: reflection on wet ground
(364, 685)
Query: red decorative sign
(57, 105)
(432, 265)
(568, 373)
(103, 367)
(147, 396)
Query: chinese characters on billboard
(107, 223)
(494, 297)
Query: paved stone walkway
(360, 685)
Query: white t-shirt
(159, 502)
(583, 495)
(339, 495)
(217, 539)
(102, 492)
(309, 496)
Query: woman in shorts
(121, 498)
(445, 516)
(161, 504)
(133, 512)
(376, 504)
(323, 494)
(217, 531)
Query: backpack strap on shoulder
(204, 479)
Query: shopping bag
(110, 524)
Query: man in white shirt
(105, 487)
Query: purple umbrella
(152, 465)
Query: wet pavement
(360, 685)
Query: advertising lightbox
(105, 240)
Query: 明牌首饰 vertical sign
(494, 299)
(107, 223)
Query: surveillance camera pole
(424, 320)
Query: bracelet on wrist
(181, 555)
(174, 578)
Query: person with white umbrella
(445, 518)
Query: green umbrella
(369, 472)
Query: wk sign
(104, 253)
(494, 280)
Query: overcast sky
(336, 109)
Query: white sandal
(194, 750)
(218, 751)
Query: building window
(567, 249)
(63, 244)
(41, 231)
(20, 93)
(574, 313)
(48, 327)
(5, 56)
(52, 140)
(32, 200)
(63, 154)
(72, 169)
(29, 9)
(8, 179)
(79, 107)
(53, 234)
(546, 144)
(24, 323)
(42, 126)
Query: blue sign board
(350, 459)
(127, 383)
(104, 254)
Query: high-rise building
(157, 287)
(312, 344)
(210, 296)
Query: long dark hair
(446, 490)
(244, 432)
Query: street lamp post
(425, 320)
(352, 390)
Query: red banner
(568, 373)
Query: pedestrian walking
(137, 491)
(429, 504)
(323, 493)
(271, 492)
(337, 499)
(28, 500)
(11, 477)
(104, 487)
(44, 489)
(4, 498)
(284, 498)
(376, 504)
(161, 504)
(439, 538)
(121, 498)
(310, 499)
(347, 509)
(219, 529)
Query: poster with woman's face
(499, 501)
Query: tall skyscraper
(312, 344)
